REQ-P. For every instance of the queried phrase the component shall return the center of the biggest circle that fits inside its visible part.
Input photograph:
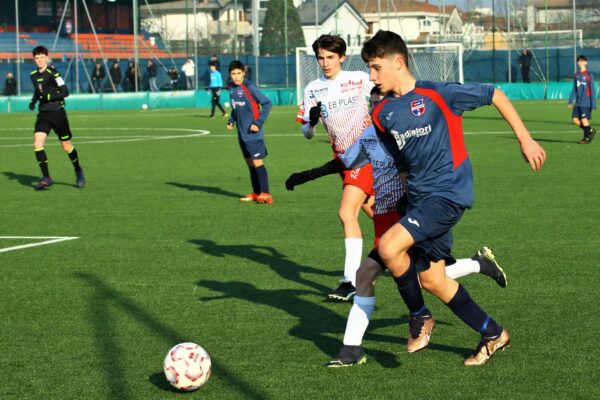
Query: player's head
(387, 56)
(212, 67)
(330, 51)
(581, 61)
(40, 56)
(237, 72)
(376, 96)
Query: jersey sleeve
(356, 155)
(308, 102)
(573, 90)
(62, 87)
(467, 96)
(592, 92)
(265, 105)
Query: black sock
(263, 179)
(254, 180)
(42, 159)
(408, 286)
(74, 159)
(586, 132)
(466, 309)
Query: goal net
(430, 62)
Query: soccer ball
(226, 104)
(144, 106)
(187, 366)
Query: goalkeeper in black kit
(50, 91)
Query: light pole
(493, 41)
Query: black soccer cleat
(344, 292)
(592, 134)
(43, 184)
(80, 182)
(489, 266)
(347, 357)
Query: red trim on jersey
(454, 122)
(375, 115)
(253, 103)
(588, 92)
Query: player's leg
(483, 262)
(352, 352)
(352, 200)
(60, 124)
(258, 152)
(253, 174)
(39, 139)
(588, 131)
(455, 296)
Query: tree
(273, 39)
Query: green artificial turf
(166, 254)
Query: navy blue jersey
(250, 106)
(422, 131)
(584, 91)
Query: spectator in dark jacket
(151, 71)
(116, 75)
(10, 85)
(98, 75)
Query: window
(425, 25)
(262, 4)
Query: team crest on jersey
(417, 107)
(240, 92)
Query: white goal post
(431, 62)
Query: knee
(576, 121)
(347, 215)
(434, 286)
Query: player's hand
(254, 128)
(32, 105)
(533, 154)
(229, 126)
(314, 114)
(570, 105)
(295, 179)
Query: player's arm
(573, 91)
(58, 93)
(533, 153)
(265, 106)
(592, 92)
(309, 105)
(298, 178)
(36, 95)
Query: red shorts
(382, 223)
(361, 177)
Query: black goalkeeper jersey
(49, 89)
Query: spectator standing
(98, 75)
(151, 71)
(116, 75)
(214, 60)
(525, 64)
(10, 85)
(189, 70)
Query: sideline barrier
(538, 91)
(134, 101)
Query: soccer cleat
(420, 332)
(249, 197)
(43, 184)
(80, 182)
(584, 141)
(264, 198)
(225, 115)
(348, 356)
(344, 292)
(489, 266)
(487, 347)
(592, 134)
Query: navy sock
(586, 132)
(408, 286)
(254, 180)
(74, 159)
(466, 309)
(263, 179)
(42, 159)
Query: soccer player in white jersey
(339, 100)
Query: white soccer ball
(227, 104)
(144, 106)
(187, 366)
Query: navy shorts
(581, 112)
(430, 224)
(54, 120)
(253, 149)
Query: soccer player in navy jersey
(420, 125)
(50, 92)
(584, 94)
(250, 111)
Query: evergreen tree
(273, 33)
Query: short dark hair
(581, 57)
(333, 43)
(236, 64)
(39, 50)
(384, 43)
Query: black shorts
(54, 120)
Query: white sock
(353, 257)
(462, 267)
(358, 320)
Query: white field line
(50, 240)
